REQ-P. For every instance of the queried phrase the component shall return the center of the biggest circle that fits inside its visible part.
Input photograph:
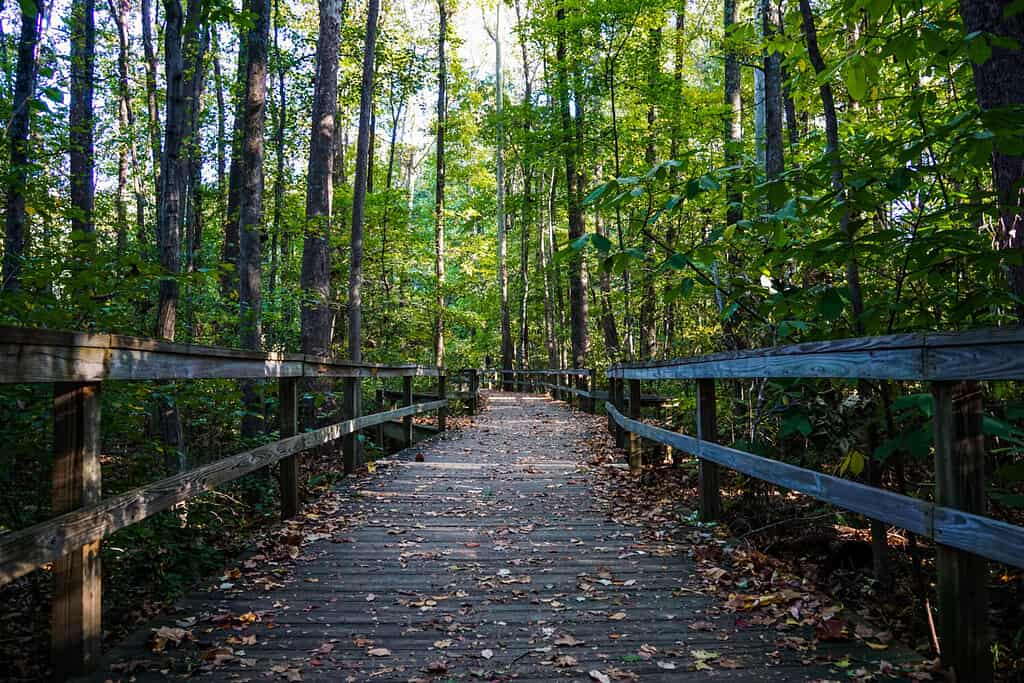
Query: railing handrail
(986, 354)
(29, 355)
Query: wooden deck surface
(491, 560)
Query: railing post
(288, 402)
(474, 391)
(442, 394)
(77, 626)
(611, 399)
(380, 427)
(407, 420)
(350, 410)
(618, 400)
(960, 483)
(707, 430)
(636, 447)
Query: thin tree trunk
(230, 247)
(222, 141)
(878, 529)
(80, 119)
(442, 121)
(506, 322)
(197, 80)
(774, 160)
(250, 207)
(126, 122)
(282, 111)
(360, 189)
(152, 104)
(16, 220)
(648, 323)
(577, 266)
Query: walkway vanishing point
(511, 552)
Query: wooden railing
(77, 364)
(953, 364)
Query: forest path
(495, 558)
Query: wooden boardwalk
(490, 560)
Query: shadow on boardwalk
(493, 560)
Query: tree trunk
(194, 214)
(250, 207)
(506, 323)
(80, 118)
(442, 121)
(578, 312)
(648, 322)
(16, 220)
(230, 248)
(999, 85)
(282, 119)
(128, 160)
(878, 529)
(774, 160)
(152, 104)
(222, 141)
(355, 271)
(315, 277)
(170, 214)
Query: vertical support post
(618, 400)
(707, 430)
(350, 410)
(474, 391)
(379, 430)
(442, 394)
(611, 399)
(77, 626)
(636, 453)
(288, 401)
(407, 420)
(960, 483)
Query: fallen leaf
(599, 677)
(618, 616)
(567, 640)
(379, 652)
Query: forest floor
(518, 548)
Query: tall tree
(315, 276)
(999, 87)
(879, 531)
(364, 162)
(80, 127)
(250, 205)
(152, 101)
(128, 152)
(230, 246)
(442, 122)
(499, 97)
(16, 219)
(170, 214)
(774, 160)
(578, 313)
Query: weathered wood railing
(953, 365)
(77, 364)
